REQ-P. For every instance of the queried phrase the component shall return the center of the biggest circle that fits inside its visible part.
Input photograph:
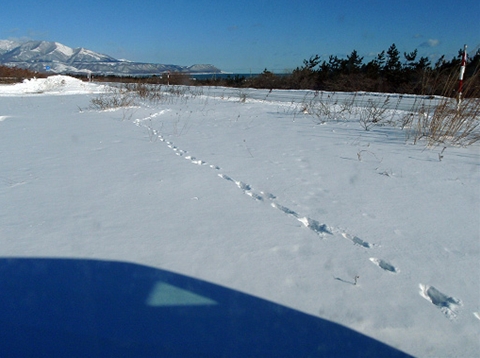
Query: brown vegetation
(15, 74)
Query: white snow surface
(254, 195)
(52, 85)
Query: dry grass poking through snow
(450, 121)
(439, 120)
(435, 120)
(449, 124)
(117, 98)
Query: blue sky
(242, 36)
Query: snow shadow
(448, 305)
(53, 307)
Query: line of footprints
(449, 306)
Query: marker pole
(462, 72)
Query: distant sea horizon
(224, 75)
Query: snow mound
(52, 85)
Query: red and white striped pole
(462, 71)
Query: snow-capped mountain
(58, 58)
(44, 51)
(7, 45)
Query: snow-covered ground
(244, 189)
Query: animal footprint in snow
(254, 195)
(269, 196)
(315, 226)
(284, 209)
(242, 185)
(384, 265)
(448, 305)
(226, 177)
(356, 240)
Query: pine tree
(410, 59)
(353, 63)
(393, 67)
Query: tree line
(389, 71)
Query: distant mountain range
(45, 56)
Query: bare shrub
(373, 113)
(116, 99)
(242, 97)
(321, 105)
(145, 91)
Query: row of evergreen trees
(389, 71)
